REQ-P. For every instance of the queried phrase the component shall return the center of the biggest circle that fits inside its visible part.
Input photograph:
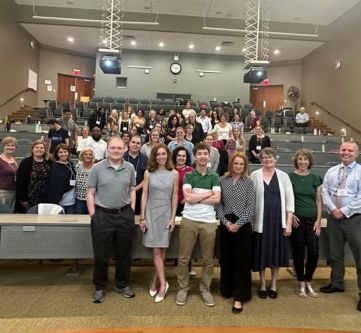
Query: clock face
(175, 68)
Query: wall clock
(175, 68)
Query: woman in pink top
(8, 169)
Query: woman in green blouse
(306, 226)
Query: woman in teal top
(306, 226)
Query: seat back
(46, 209)
(5, 209)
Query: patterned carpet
(38, 297)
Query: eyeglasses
(267, 157)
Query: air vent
(227, 43)
(125, 37)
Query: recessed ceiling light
(70, 39)
(218, 48)
(276, 51)
(161, 44)
(133, 43)
(191, 46)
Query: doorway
(73, 88)
(267, 97)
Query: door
(267, 98)
(72, 88)
(65, 93)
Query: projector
(110, 64)
(255, 75)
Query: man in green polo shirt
(201, 192)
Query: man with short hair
(95, 143)
(204, 121)
(140, 162)
(111, 203)
(69, 124)
(56, 135)
(201, 191)
(302, 118)
(341, 193)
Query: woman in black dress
(31, 177)
(256, 143)
(273, 220)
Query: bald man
(341, 195)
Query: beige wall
(52, 62)
(16, 58)
(338, 91)
(288, 75)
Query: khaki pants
(188, 235)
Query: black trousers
(303, 238)
(236, 261)
(112, 236)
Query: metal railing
(2, 103)
(336, 117)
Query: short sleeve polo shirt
(199, 184)
(112, 186)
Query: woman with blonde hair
(236, 211)
(158, 211)
(153, 141)
(8, 169)
(85, 164)
(32, 177)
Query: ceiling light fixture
(161, 44)
(276, 52)
(133, 43)
(275, 33)
(218, 48)
(191, 46)
(70, 39)
(70, 19)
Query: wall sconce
(176, 57)
(146, 71)
(201, 74)
(208, 71)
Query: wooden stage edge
(198, 330)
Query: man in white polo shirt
(201, 192)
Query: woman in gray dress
(158, 210)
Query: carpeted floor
(36, 297)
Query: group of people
(257, 212)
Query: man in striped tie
(341, 195)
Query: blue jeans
(81, 207)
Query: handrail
(336, 117)
(17, 94)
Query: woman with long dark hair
(60, 186)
